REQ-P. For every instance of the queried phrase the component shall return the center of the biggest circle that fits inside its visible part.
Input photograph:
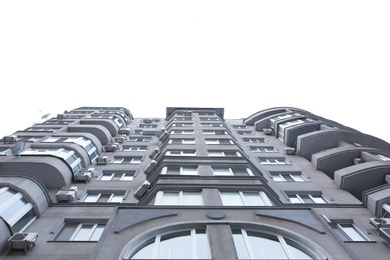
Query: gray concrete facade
(99, 183)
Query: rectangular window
(178, 198)
(351, 232)
(254, 140)
(85, 231)
(128, 148)
(117, 176)
(147, 125)
(183, 124)
(218, 141)
(239, 198)
(127, 159)
(176, 170)
(181, 141)
(181, 152)
(236, 171)
(211, 125)
(245, 132)
(214, 132)
(185, 118)
(101, 197)
(208, 118)
(140, 139)
(224, 153)
(262, 149)
(307, 198)
(273, 161)
(287, 176)
(182, 132)
(240, 127)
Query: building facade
(283, 183)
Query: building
(98, 183)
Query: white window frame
(264, 149)
(262, 195)
(273, 161)
(181, 153)
(126, 176)
(112, 199)
(77, 230)
(356, 230)
(160, 197)
(280, 176)
(182, 171)
(182, 132)
(218, 141)
(230, 171)
(126, 160)
(217, 153)
(297, 198)
(254, 140)
(129, 148)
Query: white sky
(331, 58)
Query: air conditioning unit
(380, 223)
(268, 131)
(85, 175)
(111, 147)
(10, 139)
(154, 153)
(384, 233)
(147, 120)
(357, 160)
(22, 241)
(164, 136)
(289, 150)
(142, 190)
(67, 194)
(102, 160)
(125, 130)
(119, 138)
(60, 116)
(152, 165)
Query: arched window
(15, 209)
(184, 244)
(258, 245)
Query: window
(100, 197)
(273, 161)
(208, 118)
(285, 125)
(236, 171)
(245, 132)
(254, 140)
(140, 139)
(14, 209)
(70, 157)
(76, 231)
(186, 118)
(181, 141)
(307, 198)
(259, 245)
(224, 153)
(346, 229)
(57, 122)
(275, 119)
(214, 132)
(177, 198)
(218, 141)
(211, 125)
(262, 149)
(182, 132)
(127, 159)
(86, 143)
(117, 175)
(181, 152)
(185, 244)
(42, 129)
(239, 198)
(128, 148)
(287, 176)
(147, 125)
(176, 170)
(240, 127)
(183, 124)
